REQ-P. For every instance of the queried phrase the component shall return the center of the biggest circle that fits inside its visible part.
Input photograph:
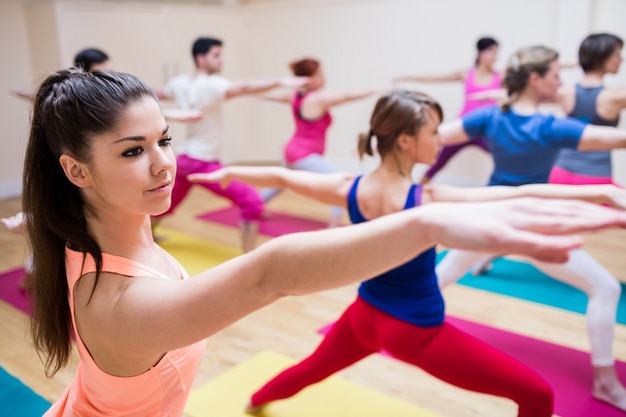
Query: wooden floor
(289, 326)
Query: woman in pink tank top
(311, 112)
(482, 88)
(99, 164)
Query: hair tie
(515, 63)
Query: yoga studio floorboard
(291, 327)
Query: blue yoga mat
(522, 280)
(17, 400)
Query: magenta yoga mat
(10, 291)
(567, 370)
(277, 223)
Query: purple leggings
(449, 151)
(244, 196)
(443, 351)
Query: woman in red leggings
(401, 311)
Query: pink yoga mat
(10, 291)
(277, 224)
(567, 370)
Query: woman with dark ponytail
(99, 164)
(525, 144)
(401, 311)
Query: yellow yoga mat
(193, 253)
(227, 395)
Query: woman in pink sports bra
(482, 88)
(99, 164)
(311, 112)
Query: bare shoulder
(88, 289)
(567, 90)
(566, 97)
(617, 95)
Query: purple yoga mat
(277, 224)
(10, 291)
(567, 370)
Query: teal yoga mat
(522, 280)
(17, 400)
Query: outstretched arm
(14, 223)
(161, 95)
(330, 189)
(453, 132)
(318, 103)
(23, 93)
(242, 88)
(617, 97)
(329, 99)
(182, 115)
(495, 94)
(180, 313)
(280, 96)
(451, 77)
(599, 194)
(601, 138)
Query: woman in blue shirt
(525, 144)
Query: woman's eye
(133, 152)
(166, 141)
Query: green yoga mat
(17, 400)
(522, 280)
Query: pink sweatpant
(244, 196)
(443, 351)
(559, 175)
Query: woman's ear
(533, 78)
(75, 171)
(403, 141)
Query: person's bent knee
(609, 290)
(251, 211)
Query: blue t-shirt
(524, 148)
(409, 292)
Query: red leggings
(443, 351)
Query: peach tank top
(160, 391)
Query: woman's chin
(160, 210)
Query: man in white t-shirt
(205, 91)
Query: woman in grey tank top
(591, 102)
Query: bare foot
(608, 388)
(24, 283)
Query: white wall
(367, 43)
(153, 41)
(43, 40)
(15, 71)
(608, 16)
(361, 43)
